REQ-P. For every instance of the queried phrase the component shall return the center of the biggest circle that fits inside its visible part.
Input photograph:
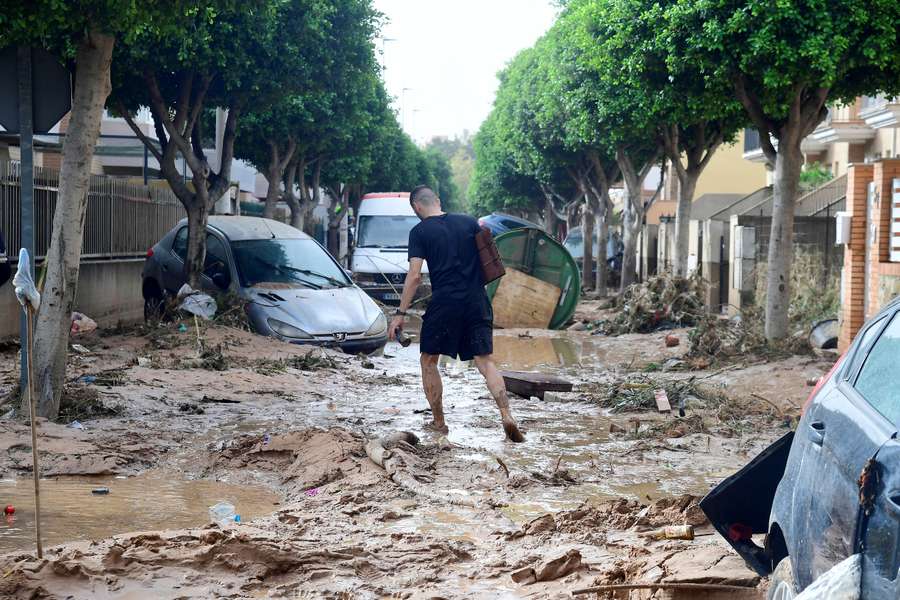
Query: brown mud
(288, 425)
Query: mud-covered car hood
(317, 312)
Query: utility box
(842, 228)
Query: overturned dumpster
(542, 284)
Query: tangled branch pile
(662, 301)
(726, 339)
(637, 392)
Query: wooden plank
(528, 384)
(524, 301)
(662, 401)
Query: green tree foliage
(629, 44)
(223, 53)
(84, 33)
(785, 62)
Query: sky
(448, 53)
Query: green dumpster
(535, 253)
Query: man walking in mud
(459, 318)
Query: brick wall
(883, 276)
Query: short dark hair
(423, 194)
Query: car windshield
(388, 231)
(287, 263)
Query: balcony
(843, 124)
(753, 146)
(880, 111)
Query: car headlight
(379, 327)
(288, 331)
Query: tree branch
(763, 124)
(161, 113)
(148, 143)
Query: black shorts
(459, 328)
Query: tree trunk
(551, 222)
(587, 231)
(273, 193)
(198, 215)
(290, 180)
(788, 164)
(51, 337)
(602, 238)
(687, 185)
(631, 232)
(278, 162)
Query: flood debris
(663, 301)
(637, 392)
(531, 384)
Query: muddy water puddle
(150, 501)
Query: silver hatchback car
(293, 288)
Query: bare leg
(434, 390)
(497, 386)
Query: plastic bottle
(672, 532)
(222, 513)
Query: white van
(379, 262)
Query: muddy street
(280, 432)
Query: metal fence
(122, 219)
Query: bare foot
(438, 428)
(512, 432)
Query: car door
(839, 433)
(216, 275)
(879, 499)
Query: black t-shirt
(447, 243)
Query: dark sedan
(832, 488)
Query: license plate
(391, 296)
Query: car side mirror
(222, 280)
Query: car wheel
(781, 583)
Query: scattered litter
(196, 303)
(24, 284)
(87, 379)
(143, 361)
(182, 328)
(671, 532)
(672, 341)
(266, 440)
(80, 349)
(82, 323)
(190, 408)
(662, 401)
(312, 492)
(100, 491)
(9, 510)
(222, 513)
(824, 334)
(76, 425)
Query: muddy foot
(512, 432)
(439, 429)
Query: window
(179, 245)
(877, 381)
(387, 231)
(216, 257)
(216, 262)
(859, 354)
(287, 263)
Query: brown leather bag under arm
(491, 264)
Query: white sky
(449, 52)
